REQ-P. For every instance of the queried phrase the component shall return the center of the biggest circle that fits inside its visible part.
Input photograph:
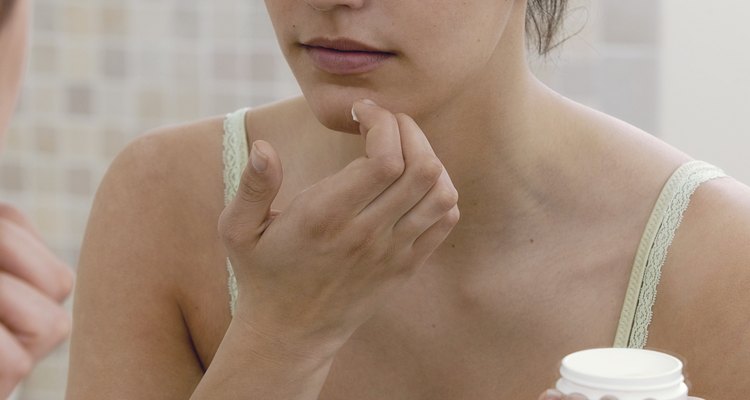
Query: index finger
(379, 129)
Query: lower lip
(346, 62)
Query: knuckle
(453, 216)
(65, 282)
(386, 117)
(230, 232)
(390, 168)
(60, 326)
(364, 241)
(446, 198)
(320, 225)
(428, 170)
(250, 191)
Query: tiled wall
(101, 72)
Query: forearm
(251, 366)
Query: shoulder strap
(666, 217)
(235, 160)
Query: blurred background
(102, 72)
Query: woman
(33, 281)
(351, 275)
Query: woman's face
(428, 51)
(13, 31)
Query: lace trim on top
(665, 218)
(235, 160)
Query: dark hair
(544, 20)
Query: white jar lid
(622, 370)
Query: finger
(23, 255)
(426, 244)
(441, 199)
(15, 363)
(247, 216)
(422, 170)
(551, 394)
(379, 128)
(365, 178)
(14, 215)
(38, 323)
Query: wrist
(285, 344)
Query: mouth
(345, 56)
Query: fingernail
(354, 116)
(258, 159)
(553, 394)
(577, 396)
(368, 101)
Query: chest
(503, 339)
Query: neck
(504, 153)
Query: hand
(33, 283)
(553, 394)
(323, 266)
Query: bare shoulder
(702, 310)
(162, 187)
(151, 232)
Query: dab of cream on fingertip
(354, 116)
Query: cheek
(453, 45)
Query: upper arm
(130, 339)
(702, 312)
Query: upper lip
(342, 44)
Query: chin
(335, 115)
(332, 104)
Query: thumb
(251, 208)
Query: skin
(33, 281)
(553, 200)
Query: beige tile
(226, 65)
(50, 222)
(45, 59)
(185, 104)
(187, 23)
(114, 140)
(78, 181)
(186, 66)
(114, 20)
(150, 103)
(47, 178)
(79, 99)
(79, 62)
(79, 142)
(261, 67)
(45, 99)
(12, 176)
(115, 63)
(46, 16)
(630, 22)
(78, 19)
(13, 138)
(46, 139)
